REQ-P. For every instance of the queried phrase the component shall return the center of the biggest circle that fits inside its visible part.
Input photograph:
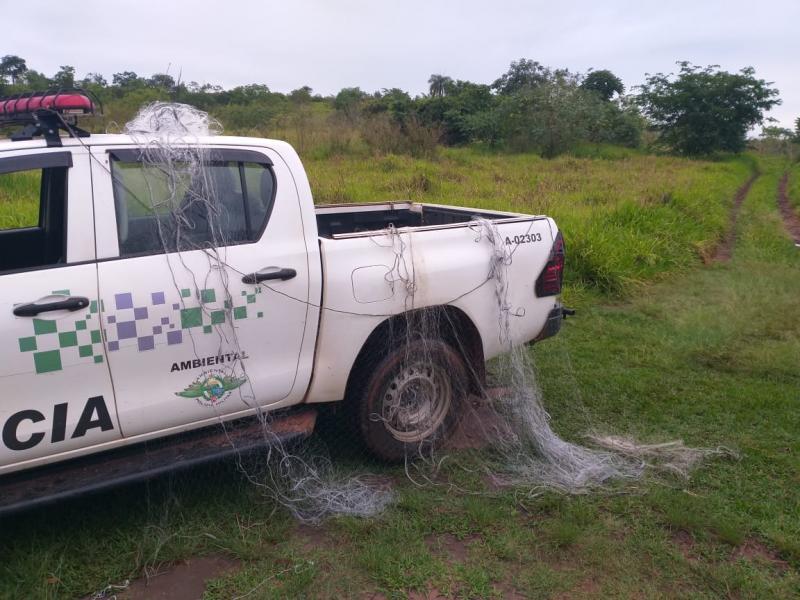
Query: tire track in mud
(724, 251)
(790, 218)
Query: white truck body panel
(49, 361)
(155, 323)
(299, 340)
(450, 266)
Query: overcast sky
(342, 43)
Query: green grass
(707, 354)
(628, 220)
(794, 185)
(19, 200)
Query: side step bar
(28, 489)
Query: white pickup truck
(111, 341)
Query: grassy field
(664, 347)
(628, 220)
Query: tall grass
(625, 221)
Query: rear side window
(228, 202)
(33, 203)
(20, 199)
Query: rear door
(57, 393)
(191, 334)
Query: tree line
(531, 107)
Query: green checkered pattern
(206, 317)
(54, 342)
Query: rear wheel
(410, 400)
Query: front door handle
(32, 309)
(269, 273)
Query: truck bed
(340, 220)
(438, 259)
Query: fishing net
(520, 448)
(508, 418)
(184, 194)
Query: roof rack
(46, 113)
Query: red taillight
(549, 281)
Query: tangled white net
(527, 452)
(182, 194)
(523, 450)
(172, 121)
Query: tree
(797, 130)
(395, 102)
(550, 117)
(523, 73)
(162, 81)
(348, 100)
(13, 67)
(36, 81)
(777, 133)
(126, 80)
(462, 113)
(604, 83)
(94, 79)
(775, 140)
(301, 94)
(704, 110)
(438, 85)
(65, 77)
(243, 94)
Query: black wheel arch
(449, 323)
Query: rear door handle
(269, 273)
(32, 309)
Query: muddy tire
(407, 403)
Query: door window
(33, 208)
(226, 203)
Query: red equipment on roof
(67, 103)
(46, 113)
